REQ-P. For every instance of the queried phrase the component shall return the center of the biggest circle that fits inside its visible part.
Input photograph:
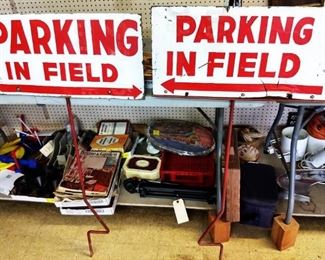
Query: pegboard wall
(52, 117)
(108, 6)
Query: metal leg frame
(217, 126)
(293, 150)
(298, 126)
(219, 117)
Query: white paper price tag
(180, 211)
(61, 159)
(47, 149)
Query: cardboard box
(84, 211)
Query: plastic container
(315, 145)
(258, 194)
(142, 167)
(257, 212)
(197, 171)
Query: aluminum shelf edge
(148, 101)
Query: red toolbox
(194, 171)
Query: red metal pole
(224, 186)
(81, 177)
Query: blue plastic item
(30, 163)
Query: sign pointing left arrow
(171, 85)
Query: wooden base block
(220, 232)
(283, 235)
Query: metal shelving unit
(147, 101)
(128, 199)
(139, 6)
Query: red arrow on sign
(82, 91)
(171, 85)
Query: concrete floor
(38, 231)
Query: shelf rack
(147, 101)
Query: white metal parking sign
(239, 52)
(93, 55)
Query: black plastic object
(258, 194)
(181, 137)
(168, 190)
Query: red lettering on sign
(9, 71)
(226, 27)
(185, 26)
(18, 39)
(110, 73)
(63, 73)
(101, 38)
(280, 31)
(245, 29)
(251, 65)
(213, 56)
(79, 72)
(75, 71)
(301, 35)
(169, 63)
(286, 72)
(231, 64)
(271, 29)
(82, 37)
(263, 73)
(40, 36)
(204, 32)
(71, 36)
(245, 64)
(48, 70)
(123, 41)
(263, 29)
(3, 33)
(22, 70)
(90, 76)
(62, 38)
(186, 65)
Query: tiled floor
(38, 231)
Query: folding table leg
(285, 230)
(219, 114)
